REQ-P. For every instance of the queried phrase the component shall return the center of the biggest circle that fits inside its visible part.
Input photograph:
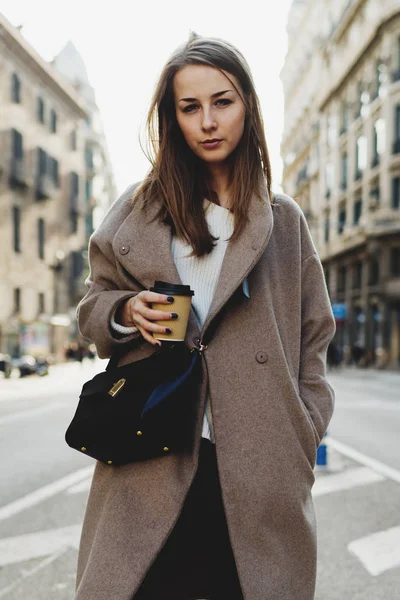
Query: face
(209, 111)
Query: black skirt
(197, 560)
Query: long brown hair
(178, 177)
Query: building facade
(42, 199)
(341, 154)
(98, 178)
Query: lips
(210, 144)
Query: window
(357, 211)
(15, 88)
(341, 220)
(53, 169)
(395, 261)
(398, 52)
(329, 178)
(357, 275)
(17, 228)
(379, 141)
(378, 78)
(89, 158)
(17, 300)
(73, 140)
(374, 272)
(73, 201)
(344, 117)
(375, 196)
(42, 162)
(53, 121)
(17, 149)
(359, 101)
(361, 156)
(341, 279)
(41, 238)
(40, 110)
(344, 161)
(396, 144)
(326, 230)
(396, 192)
(41, 304)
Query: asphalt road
(44, 486)
(367, 413)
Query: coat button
(124, 249)
(261, 356)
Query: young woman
(233, 518)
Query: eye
(189, 108)
(224, 101)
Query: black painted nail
(174, 315)
(170, 299)
(168, 330)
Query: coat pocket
(307, 415)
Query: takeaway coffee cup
(182, 301)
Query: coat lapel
(143, 247)
(242, 255)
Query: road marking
(372, 463)
(44, 492)
(350, 478)
(378, 552)
(32, 412)
(36, 545)
(47, 561)
(387, 405)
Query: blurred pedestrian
(184, 526)
(358, 353)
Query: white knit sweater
(202, 274)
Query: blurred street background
(75, 84)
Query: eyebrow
(216, 95)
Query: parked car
(6, 365)
(29, 365)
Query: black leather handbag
(141, 410)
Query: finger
(149, 325)
(149, 338)
(154, 297)
(156, 315)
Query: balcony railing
(17, 173)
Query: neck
(219, 181)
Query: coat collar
(143, 247)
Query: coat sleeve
(104, 291)
(100, 302)
(317, 330)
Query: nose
(208, 122)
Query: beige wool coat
(270, 399)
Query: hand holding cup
(137, 312)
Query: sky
(125, 44)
